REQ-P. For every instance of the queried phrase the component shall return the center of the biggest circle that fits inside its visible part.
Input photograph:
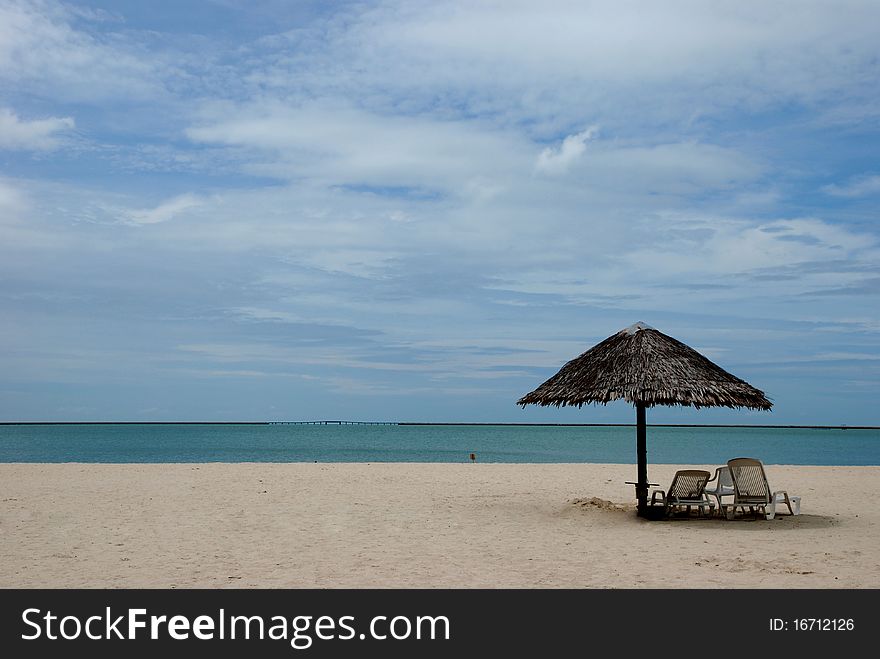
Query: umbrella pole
(642, 454)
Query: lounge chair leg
(797, 505)
(770, 510)
(731, 512)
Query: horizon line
(432, 423)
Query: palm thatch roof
(644, 366)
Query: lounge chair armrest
(654, 496)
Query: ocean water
(430, 443)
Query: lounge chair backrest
(749, 480)
(688, 485)
(724, 477)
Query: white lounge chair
(686, 491)
(752, 491)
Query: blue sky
(419, 211)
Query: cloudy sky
(255, 210)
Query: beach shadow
(744, 524)
(748, 524)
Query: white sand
(416, 525)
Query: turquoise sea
(430, 443)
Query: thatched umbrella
(646, 368)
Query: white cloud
(786, 254)
(673, 168)
(163, 212)
(41, 49)
(556, 160)
(12, 200)
(342, 145)
(22, 226)
(552, 63)
(861, 186)
(37, 134)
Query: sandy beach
(416, 525)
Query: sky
(419, 211)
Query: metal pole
(642, 454)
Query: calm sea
(429, 443)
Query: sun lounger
(752, 491)
(686, 491)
